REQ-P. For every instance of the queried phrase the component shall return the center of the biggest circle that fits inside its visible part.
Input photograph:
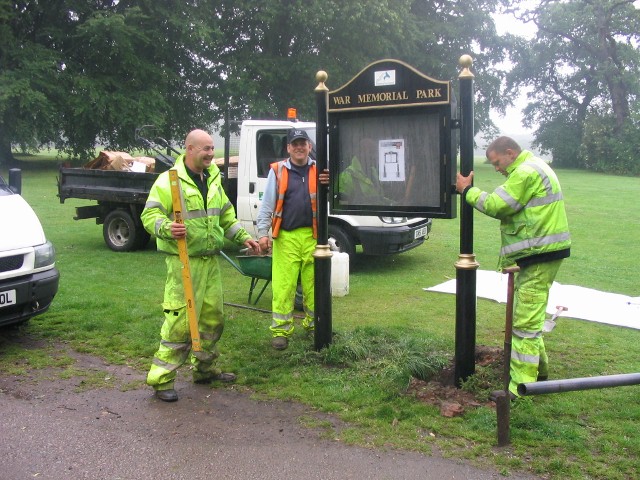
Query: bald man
(209, 218)
(535, 237)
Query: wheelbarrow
(257, 267)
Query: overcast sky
(511, 122)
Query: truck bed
(104, 185)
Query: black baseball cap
(297, 133)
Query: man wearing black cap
(289, 209)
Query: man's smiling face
(299, 150)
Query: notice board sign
(391, 143)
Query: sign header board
(389, 83)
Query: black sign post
(322, 254)
(466, 265)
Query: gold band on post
(467, 261)
(322, 251)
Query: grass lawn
(386, 330)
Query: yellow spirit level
(176, 196)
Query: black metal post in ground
(15, 180)
(466, 265)
(322, 254)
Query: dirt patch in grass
(442, 392)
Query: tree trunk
(612, 69)
(6, 155)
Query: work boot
(493, 397)
(280, 343)
(223, 377)
(542, 378)
(167, 395)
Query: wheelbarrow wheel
(298, 304)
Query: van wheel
(340, 241)
(120, 231)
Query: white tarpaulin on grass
(583, 303)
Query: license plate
(7, 298)
(419, 233)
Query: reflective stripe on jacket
(206, 229)
(282, 180)
(530, 208)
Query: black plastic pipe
(574, 384)
(227, 150)
(15, 180)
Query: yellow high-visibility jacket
(206, 229)
(530, 208)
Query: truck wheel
(340, 241)
(120, 231)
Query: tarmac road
(50, 430)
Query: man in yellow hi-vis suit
(209, 217)
(289, 209)
(535, 236)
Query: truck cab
(28, 276)
(263, 142)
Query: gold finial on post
(321, 77)
(465, 61)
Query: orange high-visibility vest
(282, 182)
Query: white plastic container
(339, 274)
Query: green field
(386, 329)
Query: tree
(583, 63)
(75, 74)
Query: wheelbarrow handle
(234, 264)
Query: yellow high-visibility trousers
(292, 258)
(175, 343)
(531, 295)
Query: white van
(28, 276)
